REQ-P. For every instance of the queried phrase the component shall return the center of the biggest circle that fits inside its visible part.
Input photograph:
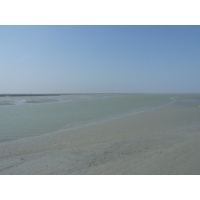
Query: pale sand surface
(162, 141)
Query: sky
(99, 59)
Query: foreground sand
(161, 141)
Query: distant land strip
(16, 95)
(50, 94)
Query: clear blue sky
(62, 59)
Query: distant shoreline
(50, 94)
(59, 94)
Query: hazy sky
(62, 59)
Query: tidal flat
(161, 138)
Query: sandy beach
(160, 141)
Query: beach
(159, 141)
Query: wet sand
(160, 141)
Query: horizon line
(80, 93)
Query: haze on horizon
(99, 59)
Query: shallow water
(30, 116)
